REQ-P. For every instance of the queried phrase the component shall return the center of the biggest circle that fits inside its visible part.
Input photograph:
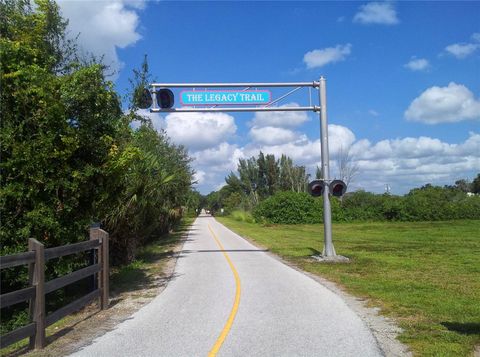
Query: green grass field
(426, 275)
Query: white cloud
(302, 150)
(382, 13)
(403, 163)
(199, 177)
(199, 131)
(410, 162)
(463, 50)
(103, 26)
(222, 157)
(449, 104)
(137, 4)
(270, 135)
(417, 64)
(321, 57)
(214, 164)
(280, 119)
(339, 137)
(405, 148)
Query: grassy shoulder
(131, 286)
(423, 274)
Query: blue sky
(403, 80)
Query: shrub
(362, 206)
(428, 203)
(431, 203)
(242, 216)
(393, 208)
(289, 208)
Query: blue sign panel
(248, 97)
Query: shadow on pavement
(226, 250)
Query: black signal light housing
(316, 188)
(337, 188)
(165, 98)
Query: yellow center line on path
(226, 329)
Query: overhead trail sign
(225, 97)
(254, 100)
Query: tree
(213, 201)
(56, 130)
(193, 202)
(232, 201)
(292, 177)
(68, 155)
(154, 182)
(463, 185)
(347, 166)
(272, 174)
(285, 173)
(261, 184)
(259, 178)
(60, 122)
(249, 173)
(476, 185)
(141, 79)
(234, 184)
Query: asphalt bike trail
(230, 298)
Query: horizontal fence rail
(17, 335)
(72, 307)
(10, 261)
(65, 280)
(35, 293)
(57, 252)
(17, 296)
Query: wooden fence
(35, 293)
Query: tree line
(69, 156)
(258, 178)
(269, 190)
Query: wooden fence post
(105, 270)
(37, 309)
(93, 257)
(31, 302)
(94, 235)
(103, 261)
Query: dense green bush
(428, 203)
(289, 208)
(362, 206)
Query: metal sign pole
(328, 249)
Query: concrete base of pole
(333, 259)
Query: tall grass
(242, 216)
